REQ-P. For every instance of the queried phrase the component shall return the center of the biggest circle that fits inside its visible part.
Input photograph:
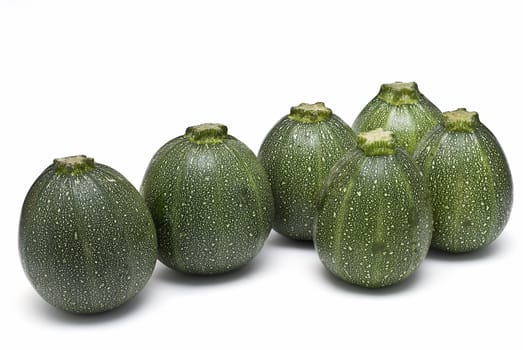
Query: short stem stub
(460, 120)
(310, 113)
(377, 142)
(206, 133)
(74, 165)
(400, 93)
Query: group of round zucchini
(372, 202)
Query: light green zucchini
(374, 220)
(210, 200)
(87, 240)
(402, 109)
(469, 180)
(297, 154)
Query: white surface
(117, 79)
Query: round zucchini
(402, 109)
(374, 220)
(210, 200)
(87, 240)
(470, 182)
(297, 154)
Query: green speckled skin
(471, 187)
(374, 220)
(409, 121)
(297, 156)
(87, 241)
(211, 203)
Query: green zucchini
(374, 221)
(210, 200)
(402, 109)
(470, 182)
(87, 240)
(297, 154)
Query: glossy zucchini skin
(87, 240)
(469, 180)
(297, 154)
(210, 200)
(402, 109)
(374, 221)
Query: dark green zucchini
(470, 182)
(402, 109)
(374, 220)
(210, 200)
(297, 154)
(87, 240)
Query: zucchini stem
(399, 93)
(207, 133)
(377, 142)
(310, 113)
(460, 120)
(73, 165)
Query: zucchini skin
(408, 121)
(297, 157)
(374, 221)
(211, 203)
(87, 242)
(471, 187)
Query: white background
(117, 79)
